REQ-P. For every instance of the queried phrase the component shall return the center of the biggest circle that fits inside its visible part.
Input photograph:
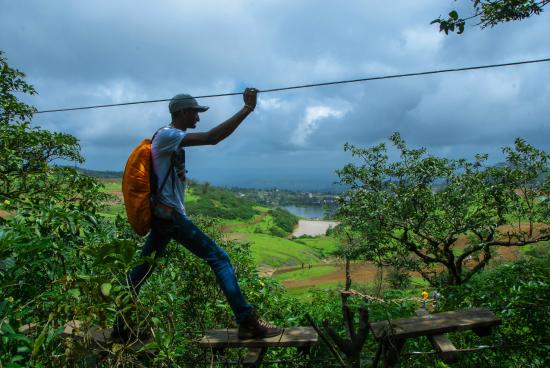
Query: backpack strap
(152, 173)
(170, 171)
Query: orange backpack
(138, 187)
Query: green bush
(539, 251)
(518, 293)
(220, 203)
(277, 231)
(284, 219)
(399, 278)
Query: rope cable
(322, 84)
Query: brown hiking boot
(254, 327)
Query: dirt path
(235, 236)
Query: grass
(112, 185)
(306, 273)
(113, 210)
(530, 247)
(304, 293)
(324, 244)
(190, 196)
(419, 282)
(260, 224)
(277, 252)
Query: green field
(278, 252)
(324, 244)
(304, 293)
(306, 273)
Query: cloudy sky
(98, 52)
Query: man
(170, 221)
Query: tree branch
(465, 254)
(486, 257)
(519, 243)
(413, 248)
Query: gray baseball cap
(184, 101)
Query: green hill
(266, 229)
(206, 200)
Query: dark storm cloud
(85, 53)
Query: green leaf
(39, 340)
(23, 349)
(156, 321)
(149, 346)
(75, 293)
(84, 277)
(20, 337)
(7, 263)
(166, 340)
(13, 365)
(106, 288)
(7, 329)
(453, 15)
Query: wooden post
(326, 341)
(392, 351)
(353, 345)
(254, 357)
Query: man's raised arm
(223, 130)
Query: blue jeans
(181, 229)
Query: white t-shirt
(167, 141)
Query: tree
(49, 217)
(442, 217)
(27, 154)
(491, 13)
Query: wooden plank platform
(98, 338)
(290, 337)
(435, 324)
(96, 334)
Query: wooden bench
(299, 337)
(391, 334)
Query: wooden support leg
(218, 353)
(378, 354)
(254, 357)
(392, 350)
(303, 350)
(447, 351)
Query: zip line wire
(306, 85)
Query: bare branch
(519, 243)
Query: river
(311, 224)
(313, 227)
